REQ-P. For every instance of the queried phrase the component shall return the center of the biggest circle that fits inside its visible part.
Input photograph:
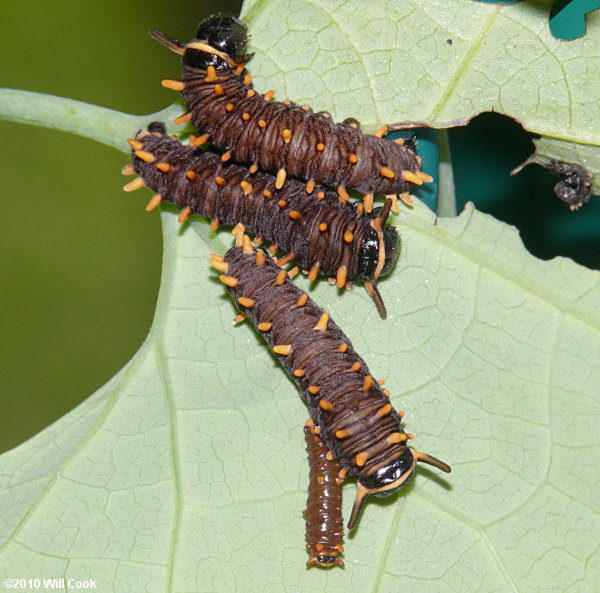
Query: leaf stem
(98, 123)
(446, 198)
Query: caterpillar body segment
(323, 236)
(281, 137)
(355, 418)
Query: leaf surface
(187, 471)
(436, 62)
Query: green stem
(446, 196)
(99, 123)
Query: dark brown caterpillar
(354, 416)
(574, 186)
(280, 136)
(324, 523)
(321, 235)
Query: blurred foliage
(81, 260)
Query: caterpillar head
(378, 253)
(368, 255)
(224, 33)
(326, 560)
(220, 41)
(389, 478)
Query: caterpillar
(321, 235)
(324, 523)
(355, 417)
(574, 185)
(278, 136)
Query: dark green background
(80, 259)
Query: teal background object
(427, 147)
(567, 17)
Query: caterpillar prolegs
(355, 417)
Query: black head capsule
(395, 474)
(390, 478)
(325, 561)
(225, 33)
(368, 254)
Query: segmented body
(321, 235)
(284, 136)
(324, 523)
(278, 136)
(354, 415)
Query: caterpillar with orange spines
(278, 136)
(324, 523)
(355, 417)
(321, 235)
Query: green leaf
(441, 63)
(187, 471)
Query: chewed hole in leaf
(484, 152)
